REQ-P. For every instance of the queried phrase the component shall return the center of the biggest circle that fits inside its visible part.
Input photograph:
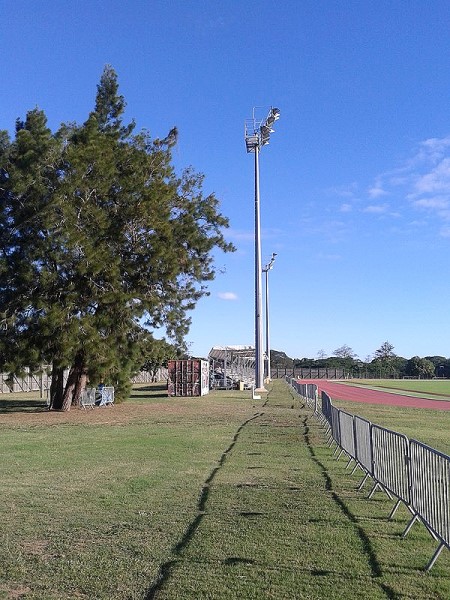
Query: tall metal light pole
(266, 270)
(257, 134)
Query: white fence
(35, 382)
(161, 374)
(29, 382)
(412, 472)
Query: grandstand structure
(231, 365)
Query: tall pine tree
(98, 233)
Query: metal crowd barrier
(390, 455)
(363, 448)
(347, 433)
(414, 473)
(308, 392)
(335, 427)
(430, 493)
(326, 407)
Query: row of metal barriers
(91, 397)
(408, 471)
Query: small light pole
(257, 134)
(266, 270)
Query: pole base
(255, 395)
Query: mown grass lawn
(213, 497)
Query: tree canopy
(98, 234)
(385, 352)
(420, 367)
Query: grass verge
(213, 497)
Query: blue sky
(355, 184)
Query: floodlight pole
(266, 270)
(259, 362)
(257, 134)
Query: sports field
(391, 392)
(214, 497)
(417, 408)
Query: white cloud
(376, 192)
(437, 180)
(423, 180)
(377, 189)
(345, 207)
(376, 208)
(227, 296)
(437, 202)
(347, 191)
(433, 149)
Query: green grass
(213, 497)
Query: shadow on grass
(149, 392)
(10, 404)
(165, 571)
(237, 560)
(14, 406)
(367, 546)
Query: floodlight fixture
(257, 131)
(270, 263)
(274, 115)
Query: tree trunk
(56, 388)
(62, 398)
(75, 383)
(80, 385)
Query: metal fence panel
(308, 392)
(416, 474)
(311, 395)
(390, 461)
(347, 433)
(363, 444)
(430, 488)
(335, 426)
(326, 407)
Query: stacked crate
(188, 377)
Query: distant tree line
(383, 363)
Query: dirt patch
(109, 415)
(18, 592)
(146, 403)
(35, 548)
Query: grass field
(214, 497)
(427, 426)
(431, 388)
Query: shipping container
(188, 377)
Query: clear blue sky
(355, 184)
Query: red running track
(341, 391)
